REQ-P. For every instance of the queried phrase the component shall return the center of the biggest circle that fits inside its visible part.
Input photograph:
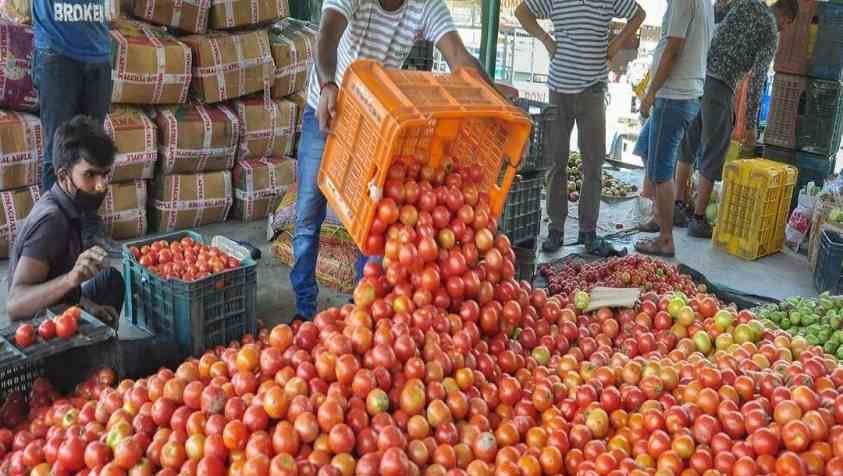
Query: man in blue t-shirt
(72, 68)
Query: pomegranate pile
(444, 365)
(635, 271)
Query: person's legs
(669, 121)
(106, 288)
(717, 113)
(311, 208)
(642, 149)
(60, 86)
(96, 103)
(688, 153)
(591, 129)
(556, 153)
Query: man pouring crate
(382, 31)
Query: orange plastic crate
(387, 113)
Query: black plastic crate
(521, 217)
(827, 273)
(811, 167)
(543, 115)
(200, 314)
(820, 124)
(420, 57)
(525, 261)
(19, 377)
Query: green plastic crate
(199, 315)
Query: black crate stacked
(806, 111)
(420, 57)
(521, 217)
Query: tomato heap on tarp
(444, 365)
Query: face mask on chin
(84, 201)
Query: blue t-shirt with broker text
(77, 29)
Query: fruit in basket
(47, 329)
(66, 326)
(183, 259)
(612, 186)
(25, 335)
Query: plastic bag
(797, 227)
(799, 224)
(643, 212)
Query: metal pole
(490, 13)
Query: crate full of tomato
(201, 294)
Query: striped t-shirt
(386, 37)
(581, 32)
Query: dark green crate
(543, 115)
(200, 314)
(420, 57)
(811, 167)
(820, 123)
(827, 57)
(521, 217)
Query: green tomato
(812, 339)
(840, 352)
(581, 300)
(830, 347)
(785, 324)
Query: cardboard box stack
(21, 160)
(805, 121)
(201, 91)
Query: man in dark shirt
(50, 267)
(745, 43)
(48, 264)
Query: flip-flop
(650, 247)
(649, 227)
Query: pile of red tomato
(63, 326)
(183, 259)
(446, 366)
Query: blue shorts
(659, 140)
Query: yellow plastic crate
(385, 115)
(753, 212)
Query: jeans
(707, 139)
(67, 88)
(660, 138)
(588, 110)
(311, 208)
(106, 288)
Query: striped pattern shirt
(386, 37)
(581, 32)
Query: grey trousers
(707, 139)
(588, 110)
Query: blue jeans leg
(667, 125)
(67, 88)
(310, 213)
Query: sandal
(649, 227)
(603, 249)
(651, 247)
